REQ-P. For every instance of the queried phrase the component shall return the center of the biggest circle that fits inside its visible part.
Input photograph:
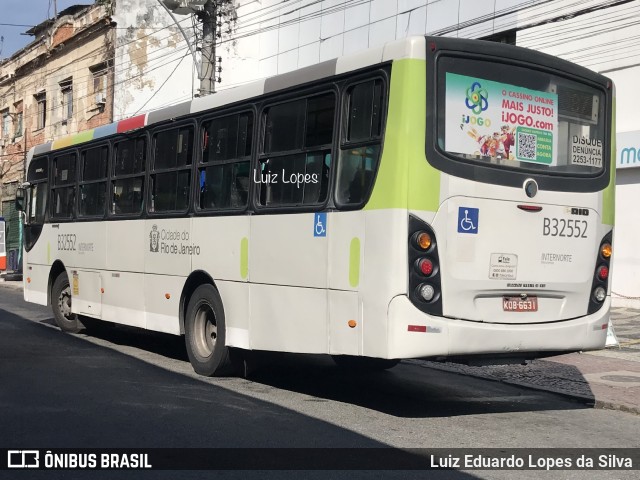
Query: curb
(588, 400)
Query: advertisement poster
(500, 121)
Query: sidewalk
(608, 378)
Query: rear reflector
(417, 328)
(530, 208)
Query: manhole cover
(616, 378)
(621, 378)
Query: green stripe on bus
(609, 193)
(244, 258)
(82, 137)
(354, 262)
(405, 179)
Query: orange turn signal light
(352, 323)
(423, 239)
(167, 296)
(606, 250)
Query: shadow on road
(407, 390)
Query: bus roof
(411, 47)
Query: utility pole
(209, 23)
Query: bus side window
(93, 181)
(63, 192)
(127, 187)
(295, 165)
(171, 172)
(226, 153)
(360, 150)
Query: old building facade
(59, 84)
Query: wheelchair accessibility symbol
(468, 220)
(320, 225)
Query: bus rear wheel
(61, 305)
(204, 328)
(351, 362)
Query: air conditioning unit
(100, 99)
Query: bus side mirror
(20, 194)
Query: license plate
(517, 304)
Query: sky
(26, 12)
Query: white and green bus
(431, 198)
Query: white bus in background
(432, 198)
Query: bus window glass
(38, 203)
(227, 138)
(360, 151)
(224, 186)
(512, 117)
(127, 196)
(93, 185)
(38, 170)
(173, 148)
(297, 178)
(365, 114)
(300, 179)
(94, 163)
(64, 169)
(63, 193)
(285, 127)
(226, 149)
(171, 191)
(319, 129)
(130, 157)
(127, 188)
(356, 173)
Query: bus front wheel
(204, 328)
(61, 305)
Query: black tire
(61, 305)
(204, 329)
(350, 362)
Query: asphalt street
(122, 387)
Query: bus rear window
(513, 117)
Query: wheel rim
(64, 303)
(206, 330)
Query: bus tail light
(603, 272)
(425, 290)
(425, 266)
(600, 282)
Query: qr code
(527, 145)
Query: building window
(19, 124)
(17, 119)
(99, 73)
(6, 124)
(41, 99)
(66, 88)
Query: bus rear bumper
(414, 334)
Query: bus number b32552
(560, 227)
(67, 242)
